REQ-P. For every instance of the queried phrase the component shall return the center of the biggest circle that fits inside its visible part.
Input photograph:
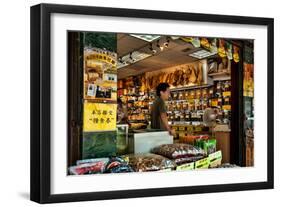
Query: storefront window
(150, 103)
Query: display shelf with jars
(186, 105)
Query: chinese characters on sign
(99, 117)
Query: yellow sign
(236, 57)
(99, 117)
(214, 102)
(226, 107)
(222, 52)
(215, 159)
(187, 166)
(91, 58)
(203, 163)
(226, 93)
(236, 54)
(205, 43)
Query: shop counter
(142, 141)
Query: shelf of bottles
(184, 105)
(137, 104)
(189, 105)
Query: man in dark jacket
(159, 119)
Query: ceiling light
(175, 37)
(129, 59)
(121, 65)
(200, 54)
(147, 38)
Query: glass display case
(122, 139)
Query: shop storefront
(209, 110)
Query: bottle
(219, 89)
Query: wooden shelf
(225, 75)
(219, 73)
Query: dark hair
(161, 87)
(119, 102)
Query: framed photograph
(132, 103)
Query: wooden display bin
(250, 153)
(223, 144)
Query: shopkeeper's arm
(164, 119)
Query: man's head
(163, 91)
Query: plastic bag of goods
(184, 160)
(92, 166)
(92, 160)
(209, 146)
(190, 139)
(144, 162)
(117, 165)
(179, 150)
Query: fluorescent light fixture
(122, 64)
(132, 58)
(147, 38)
(200, 54)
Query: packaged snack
(190, 139)
(179, 150)
(184, 160)
(87, 168)
(117, 165)
(94, 160)
(209, 146)
(149, 162)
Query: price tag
(226, 107)
(203, 163)
(215, 155)
(181, 128)
(214, 103)
(226, 93)
(215, 159)
(198, 129)
(184, 167)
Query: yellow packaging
(99, 117)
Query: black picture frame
(40, 102)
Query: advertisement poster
(100, 74)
